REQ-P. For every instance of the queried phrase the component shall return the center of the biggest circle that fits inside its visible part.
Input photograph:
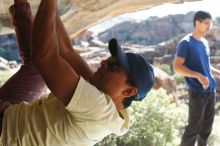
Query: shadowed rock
(78, 15)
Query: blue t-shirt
(196, 54)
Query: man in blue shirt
(193, 62)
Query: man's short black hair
(201, 15)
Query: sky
(166, 9)
(211, 6)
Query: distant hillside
(151, 31)
(8, 47)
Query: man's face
(204, 26)
(111, 78)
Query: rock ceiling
(78, 15)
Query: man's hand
(203, 80)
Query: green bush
(165, 67)
(217, 53)
(4, 75)
(155, 122)
(212, 139)
(179, 78)
(217, 107)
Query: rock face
(151, 31)
(81, 14)
(8, 47)
(6, 65)
(155, 30)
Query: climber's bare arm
(68, 53)
(59, 76)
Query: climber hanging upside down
(83, 106)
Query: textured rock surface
(81, 14)
(150, 31)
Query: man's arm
(68, 53)
(60, 78)
(215, 71)
(183, 70)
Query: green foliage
(164, 67)
(4, 75)
(179, 78)
(212, 139)
(155, 122)
(217, 107)
(217, 53)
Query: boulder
(4, 67)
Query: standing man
(193, 62)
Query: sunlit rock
(78, 15)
